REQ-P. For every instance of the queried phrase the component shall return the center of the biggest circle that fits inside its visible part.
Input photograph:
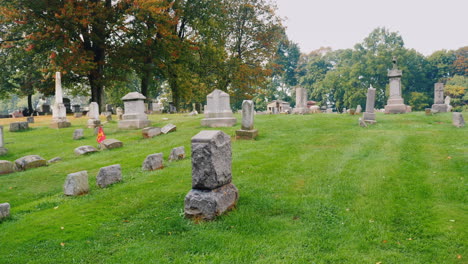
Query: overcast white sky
(425, 25)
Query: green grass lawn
(313, 189)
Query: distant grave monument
(439, 105)
(457, 119)
(59, 112)
(247, 130)
(395, 104)
(3, 150)
(134, 117)
(301, 101)
(93, 115)
(218, 111)
(369, 115)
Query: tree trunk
(30, 106)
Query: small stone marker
(457, 119)
(212, 191)
(109, 117)
(362, 123)
(19, 126)
(30, 119)
(78, 134)
(29, 162)
(109, 175)
(247, 130)
(177, 154)
(153, 162)
(6, 167)
(352, 111)
(54, 160)
(76, 184)
(4, 210)
(168, 128)
(3, 150)
(428, 111)
(149, 132)
(111, 143)
(78, 115)
(358, 110)
(85, 150)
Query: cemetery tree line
(194, 46)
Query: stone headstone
(4, 210)
(301, 101)
(76, 184)
(439, 106)
(447, 102)
(3, 150)
(109, 175)
(59, 111)
(111, 143)
(212, 191)
(428, 111)
(30, 119)
(85, 150)
(6, 167)
(134, 117)
(358, 110)
(29, 162)
(153, 162)
(369, 115)
(93, 115)
(177, 154)
(54, 160)
(109, 117)
(352, 111)
(19, 126)
(362, 123)
(78, 134)
(218, 111)
(457, 119)
(119, 113)
(395, 103)
(76, 108)
(168, 128)
(247, 130)
(150, 132)
(45, 108)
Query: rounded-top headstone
(247, 115)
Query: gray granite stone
(54, 160)
(362, 123)
(30, 119)
(218, 111)
(3, 150)
(29, 162)
(153, 162)
(6, 167)
(369, 115)
(177, 154)
(76, 184)
(111, 143)
(109, 175)
(248, 113)
(134, 117)
(19, 126)
(301, 101)
(85, 150)
(4, 210)
(168, 128)
(395, 103)
(457, 119)
(78, 134)
(150, 132)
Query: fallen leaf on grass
(62, 244)
(56, 207)
(459, 256)
(410, 238)
(385, 241)
(371, 220)
(125, 221)
(380, 262)
(62, 227)
(452, 220)
(11, 188)
(449, 157)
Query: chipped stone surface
(85, 150)
(111, 143)
(76, 184)
(6, 167)
(54, 160)
(109, 175)
(19, 126)
(177, 154)
(153, 162)
(29, 162)
(362, 123)
(168, 128)
(4, 210)
(150, 132)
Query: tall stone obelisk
(59, 112)
(395, 104)
(301, 101)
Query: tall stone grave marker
(212, 191)
(134, 117)
(301, 101)
(93, 115)
(369, 115)
(439, 105)
(247, 130)
(395, 104)
(218, 111)
(59, 112)
(3, 150)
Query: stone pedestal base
(439, 108)
(395, 109)
(61, 124)
(134, 124)
(93, 123)
(300, 111)
(246, 134)
(369, 117)
(207, 204)
(219, 122)
(3, 151)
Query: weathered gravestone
(93, 115)
(395, 103)
(29, 162)
(76, 184)
(78, 134)
(19, 126)
(153, 162)
(109, 175)
(358, 110)
(218, 111)
(247, 130)
(111, 143)
(6, 167)
(119, 113)
(447, 102)
(4, 210)
(177, 154)
(85, 150)
(428, 111)
(301, 101)
(369, 115)
(134, 117)
(168, 128)
(352, 111)
(3, 150)
(30, 119)
(54, 160)
(439, 106)
(457, 119)
(362, 123)
(59, 112)
(212, 192)
(149, 132)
